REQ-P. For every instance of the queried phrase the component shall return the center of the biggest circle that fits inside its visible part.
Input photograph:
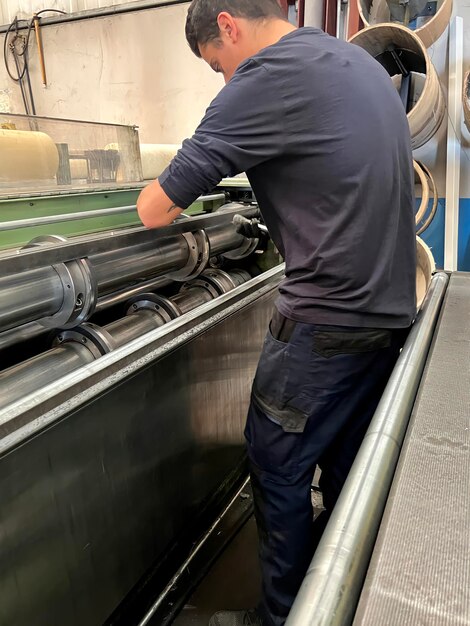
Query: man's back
(323, 136)
(339, 203)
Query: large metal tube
(128, 328)
(29, 296)
(113, 269)
(378, 11)
(25, 378)
(35, 294)
(39, 371)
(190, 299)
(331, 588)
(224, 237)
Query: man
(322, 135)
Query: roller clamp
(96, 339)
(78, 285)
(160, 305)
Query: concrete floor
(233, 582)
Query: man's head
(226, 32)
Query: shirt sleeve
(242, 128)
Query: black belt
(336, 339)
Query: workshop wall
(434, 154)
(133, 68)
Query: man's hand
(155, 208)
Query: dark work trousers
(315, 391)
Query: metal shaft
(39, 293)
(224, 237)
(132, 326)
(29, 296)
(331, 588)
(116, 268)
(33, 374)
(190, 299)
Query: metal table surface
(419, 572)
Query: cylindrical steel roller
(25, 378)
(29, 296)
(113, 269)
(64, 295)
(79, 346)
(190, 299)
(224, 237)
(132, 326)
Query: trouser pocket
(274, 386)
(332, 342)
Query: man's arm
(155, 208)
(242, 128)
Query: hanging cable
(18, 45)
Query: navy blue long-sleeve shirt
(321, 132)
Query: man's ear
(228, 27)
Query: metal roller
(30, 330)
(75, 348)
(65, 294)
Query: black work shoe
(236, 618)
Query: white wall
(24, 9)
(134, 68)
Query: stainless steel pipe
(331, 588)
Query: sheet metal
(129, 459)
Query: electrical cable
(23, 52)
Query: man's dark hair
(201, 23)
